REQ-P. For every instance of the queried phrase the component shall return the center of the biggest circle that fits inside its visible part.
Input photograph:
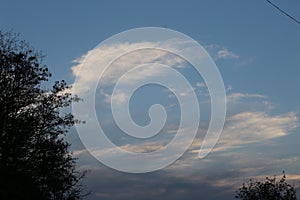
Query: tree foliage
(34, 156)
(271, 189)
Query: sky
(255, 49)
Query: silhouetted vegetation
(35, 162)
(268, 190)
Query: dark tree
(35, 161)
(268, 190)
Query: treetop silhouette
(34, 155)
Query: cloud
(177, 183)
(260, 125)
(113, 185)
(125, 56)
(226, 54)
(219, 52)
(222, 171)
(119, 97)
(241, 130)
(251, 127)
(200, 84)
(79, 152)
(239, 102)
(144, 147)
(235, 97)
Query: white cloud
(144, 147)
(240, 130)
(79, 152)
(226, 54)
(118, 97)
(200, 84)
(235, 97)
(251, 127)
(219, 52)
(125, 56)
(267, 126)
(246, 128)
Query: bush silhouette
(271, 189)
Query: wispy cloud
(235, 97)
(219, 52)
(250, 127)
(246, 128)
(226, 54)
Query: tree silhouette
(268, 190)
(35, 162)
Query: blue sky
(256, 49)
